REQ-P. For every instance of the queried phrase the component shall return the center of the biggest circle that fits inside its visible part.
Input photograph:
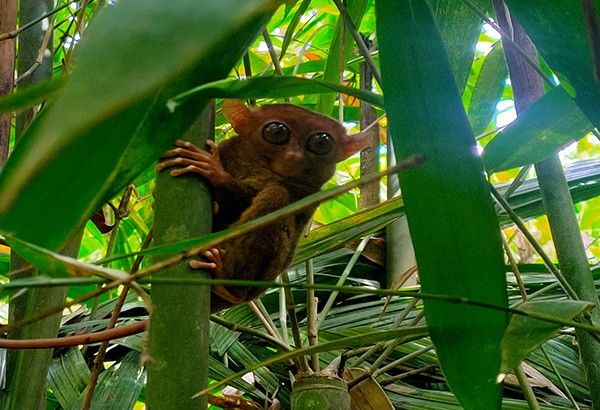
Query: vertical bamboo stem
(527, 88)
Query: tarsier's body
(282, 153)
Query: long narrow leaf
(540, 131)
(272, 87)
(447, 203)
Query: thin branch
(341, 280)
(69, 341)
(78, 30)
(291, 309)
(514, 267)
(311, 314)
(362, 47)
(526, 388)
(272, 52)
(547, 261)
(40, 56)
(14, 33)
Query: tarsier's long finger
(213, 255)
(188, 145)
(186, 153)
(191, 169)
(200, 264)
(182, 162)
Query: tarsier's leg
(257, 255)
(263, 253)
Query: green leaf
(67, 377)
(367, 337)
(541, 130)
(329, 237)
(109, 121)
(488, 89)
(341, 42)
(59, 265)
(447, 202)
(583, 178)
(524, 334)
(271, 87)
(35, 94)
(289, 32)
(459, 28)
(558, 32)
(120, 386)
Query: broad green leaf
(558, 32)
(109, 121)
(447, 202)
(271, 87)
(488, 89)
(459, 27)
(541, 130)
(524, 335)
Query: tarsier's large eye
(320, 143)
(276, 133)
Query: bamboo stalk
(178, 342)
(527, 88)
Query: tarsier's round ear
(237, 113)
(355, 143)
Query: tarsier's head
(293, 142)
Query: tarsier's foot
(211, 261)
(189, 159)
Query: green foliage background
(141, 73)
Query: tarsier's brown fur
(251, 177)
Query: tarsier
(281, 153)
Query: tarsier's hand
(189, 159)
